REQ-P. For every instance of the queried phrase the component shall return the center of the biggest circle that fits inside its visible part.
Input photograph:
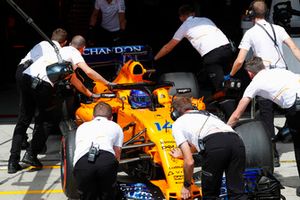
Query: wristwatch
(186, 184)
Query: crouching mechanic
(221, 147)
(97, 154)
(283, 88)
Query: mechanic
(201, 131)
(284, 93)
(211, 43)
(97, 155)
(113, 22)
(39, 90)
(265, 40)
(26, 110)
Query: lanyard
(274, 40)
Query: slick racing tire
(259, 153)
(68, 128)
(182, 80)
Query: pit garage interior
(149, 22)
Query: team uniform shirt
(277, 85)
(40, 49)
(202, 33)
(101, 132)
(38, 68)
(71, 54)
(188, 126)
(263, 46)
(110, 13)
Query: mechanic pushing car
(266, 41)
(211, 43)
(97, 154)
(27, 109)
(201, 131)
(38, 87)
(283, 88)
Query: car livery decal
(167, 125)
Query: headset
(175, 114)
(251, 13)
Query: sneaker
(13, 167)
(43, 151)
(32, 160)
(298, 191)
(276, 162)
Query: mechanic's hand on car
(185, 193)
(110, 84)
(176, 153)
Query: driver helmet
(139, 99)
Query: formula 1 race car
(148, 135)
(147, 128)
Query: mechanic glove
(227, 77)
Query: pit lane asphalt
(29, 184)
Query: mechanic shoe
(32, 160)
(298, 191)
(13, 167)
(43, 151)
(276, 162)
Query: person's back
(202, 132)
(280, 92)
(202, 33)
(59, 38)
(261, 39)
(195, 120)
(98, 150)
(71, 54)
(211, 43)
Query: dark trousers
(41, 99)
(26, 117)
(293, 123)
(224, 152)
(27, 106)
(266, 112)
(215, 63)
(97, 181)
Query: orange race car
(147, 135)
(147, 128)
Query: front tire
(68, 128)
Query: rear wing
(117, 55)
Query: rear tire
(259, 152)
(68, 128)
